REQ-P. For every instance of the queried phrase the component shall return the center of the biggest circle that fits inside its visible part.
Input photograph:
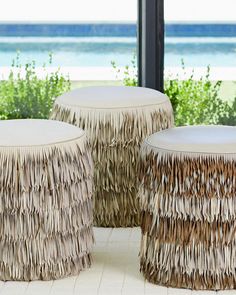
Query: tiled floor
(115, 270)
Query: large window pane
(83, 36)
(201, 33)
(200, 60)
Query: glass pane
(201, 33)
(83, 36)
(200, 42)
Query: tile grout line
(167, 291)
(138, 257)
(130, 234)
(51, 287)
(106, 244)
(100, 282)
(123, 283)
(109, 236)
(77, 277)
(27, 287)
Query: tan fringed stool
(45, 200)
(188, 200)
(117, 120)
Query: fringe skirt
(188, 204)
(45, 210)
(116, 136)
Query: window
(201, 33)
(83, 36)
(200, 56)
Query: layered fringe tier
(188, 203)
(115, 136)
(45, 210)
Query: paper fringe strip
(116, 135)
(188, 222)
(45, 210)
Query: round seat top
(31, 132)
(110, 97)
(196, 139)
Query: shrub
(24, 95)
(198, 102)
(229, 118)
(129, 75)
(194, 102)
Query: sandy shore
(108, 73)
(81, 76)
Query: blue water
(100, 51)
(69, 51)
(172, 29)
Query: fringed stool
(117, 120)
(45, 200)
(188, 200)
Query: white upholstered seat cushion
(31, 132)
(196, 139)
(109, 97)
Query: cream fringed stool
(117, 120)
(188, 200)
(45, 200)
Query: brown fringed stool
(45, 200)
(188, 203)
(117, 120)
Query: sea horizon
(115, 29)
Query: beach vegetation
(24, 95)
(195, 102)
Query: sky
(112, 10)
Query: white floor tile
(133, 290)
(85, 291)
(120, 235)
(174, 291)
(90, 281)
(2, 284)
(14, 288)
(130, 283)
(155, 289)
(36, 287)
(109, 291)
(226, 292)
(113, 273)
(61, 292)
(65, 285)
(107, 284)
(112, 281)
(102, 234)
(155, 292)
(135, 235)
(203, 292)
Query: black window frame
(151, 44)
